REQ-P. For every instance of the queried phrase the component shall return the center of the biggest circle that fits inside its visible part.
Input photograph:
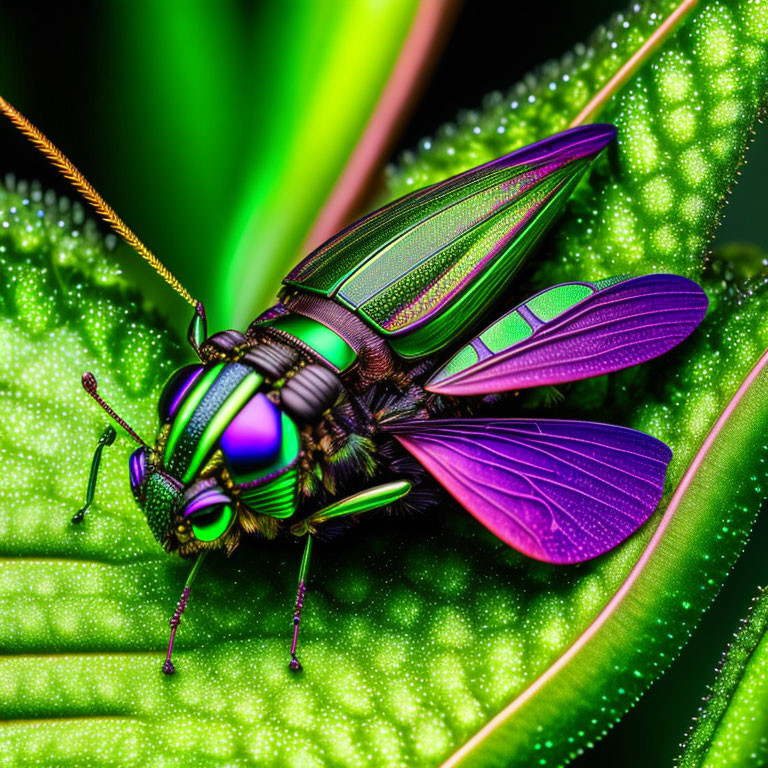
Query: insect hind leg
(371, 498)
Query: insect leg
(372, 498)
(198, 329)
(295, 665)
(107, 438)
(168, 667)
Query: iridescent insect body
(376, 352)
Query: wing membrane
(558, 491)
(618, 326)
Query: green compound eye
(213, 522)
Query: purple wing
(558, 491)
(613, 328)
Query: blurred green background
(217, 130)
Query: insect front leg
(107, 438)
(372, 498)
(168, 667)
(295, 664)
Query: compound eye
(176, 389)
(137, 468)
(211, 523)
(210, 513)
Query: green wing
(432, 262)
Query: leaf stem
(633, 63)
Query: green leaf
(732, 727)
(416, 632)
(651, 206)
(683, 124)
(640, 630)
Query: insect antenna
(67, 169)
(91, 387)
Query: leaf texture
(84, 611)
(732, 726)
(608, 661)
(418, 632)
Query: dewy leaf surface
(683, 122)
(732, 726)
(652, 206)
(639, 631)
(417, 631)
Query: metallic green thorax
(327, 344)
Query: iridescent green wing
(433, 261)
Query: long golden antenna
(83, 186)
(633, 63)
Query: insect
(377, 372)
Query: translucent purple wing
(575, 331)
(558, 491)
